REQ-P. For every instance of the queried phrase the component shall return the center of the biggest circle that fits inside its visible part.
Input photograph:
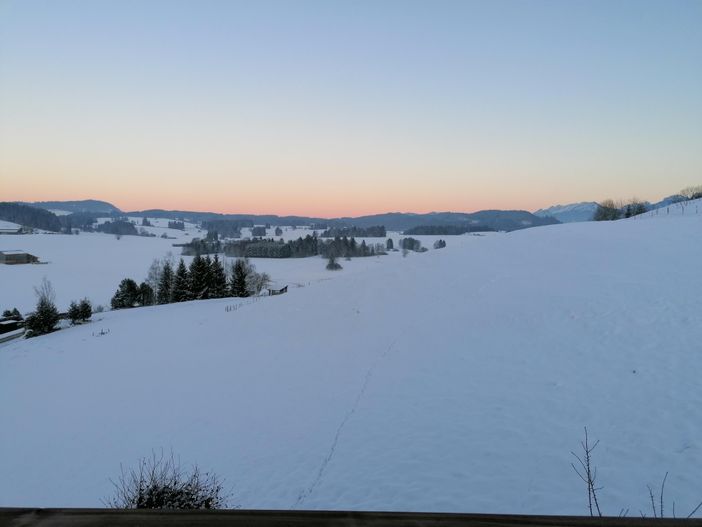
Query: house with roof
(17, 257)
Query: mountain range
(500, 220)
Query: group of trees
(80, 311)
(339, 247)
(29, 216)
(694, 192)
(609, 210)
(209, 245)
(46, 315)
(439, 244)
(377, 231)
(204, 278)
(11, 314)
(348, 247)
(118, 227)
(129, 294)
(178, 225)
(411, 244)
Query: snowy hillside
(680, 208)
(569, 213)
(455, 380)
(92, 264)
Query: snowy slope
(674, 210)
(92, 264)
(569, 213)
(455, 380)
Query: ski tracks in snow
(332, 449)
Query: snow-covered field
(92, 264)
(455, 380)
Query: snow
(91, 265)
(455, 380)
(681, 208)
(8, 225)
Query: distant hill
(27, 216)
(499, 220)
(573, 212)
(85, 205)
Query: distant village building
(11, 230)
(17, 257)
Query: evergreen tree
(209, 276)
(219, 279)
(238, 281)
(181, 287)
(199, 271)
(126, 296)
(165, 284)
(12, 314)
(46, 316)
(74, 312)
(389, 245)
(43, 319)
(146, 294)
(86, 309)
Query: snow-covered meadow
(455, 380)
(91, 265)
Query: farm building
(10, 228)
(17, 257)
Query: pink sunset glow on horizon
(346, 111)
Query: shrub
(333, 265)
(161, 483)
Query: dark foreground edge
(16, 517)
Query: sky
(333, 108)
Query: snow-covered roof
(13, 252)
(8, 226)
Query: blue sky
(338, 108)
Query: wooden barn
(17, 257)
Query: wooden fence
(258, 518)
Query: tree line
(204, 278)
(341, 247)
(377, 231)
